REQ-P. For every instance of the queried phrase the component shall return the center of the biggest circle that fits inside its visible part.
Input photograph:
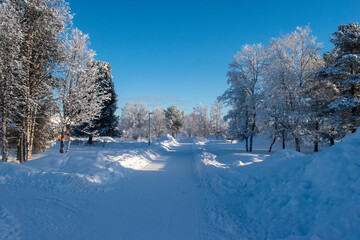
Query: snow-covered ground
(201, 189)
(287, 195)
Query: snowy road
(159, 202)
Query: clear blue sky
(168, 52)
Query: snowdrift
(287, 195)
(167, 142)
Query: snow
(182, 189)
(287, 195)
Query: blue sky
(177, 52)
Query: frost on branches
(79, 98)
(341, 78)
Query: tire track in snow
(9, 228)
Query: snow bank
(82, 166)
(201, 141)
(287, 195)
(166, 142)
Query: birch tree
(290, 73)
(134, 119)
(243, 94)
(158, 122)
(217, 123)
(79, 97)
(10, 67)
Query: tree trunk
(3, 107)
(4, 142)
(90, 140)
(332, 141)
(68, 145)
(283, 139)
(247, 144)
(316, 140)
(62, 139)
(251, 143)
(283, 143)
(252, 131)
(21, 149)
(316, 146)
(297, 143)
(272, 143)
(30, 133)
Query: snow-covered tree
(42, 24)
(218, 127)
(289, 74)
(340, 78)
(243, 94)
(134, 120)
(158, 122)
(175, 119)
(202, 122)
(107, 123)
(190, 125)
(80, 97)
(10, 67)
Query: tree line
(288, 91)
(49, 77)
(200, 122)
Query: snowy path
(159, 202)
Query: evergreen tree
(175, 119)
(341, 79)
(107, 123)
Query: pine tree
(175, 119)
(107, 123)
(341, 78)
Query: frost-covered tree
(42, 24)
(10, 67)
(190, 125)
(158, 122)
(218, 127)
(289, 74)
(202, 122)
(107, 123)
(341, 80)
(244, 91)
(175, 119)
(80, 97)
(134, 120)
